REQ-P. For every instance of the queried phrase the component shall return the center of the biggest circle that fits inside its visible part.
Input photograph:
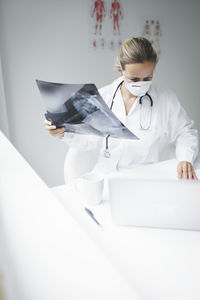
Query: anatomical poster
(107, 24)
(152, 29)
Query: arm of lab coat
(82, 142)
(182, 132)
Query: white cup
(90, 187)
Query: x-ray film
(81, 109)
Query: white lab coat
(171, 133)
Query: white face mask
(138, 88)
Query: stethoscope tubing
(107, 152)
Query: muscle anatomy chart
(106, 24)
(115, 15)
(98, 13)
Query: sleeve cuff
(186, 155)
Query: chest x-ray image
(81, 109)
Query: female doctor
(153, 114)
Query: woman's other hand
(185, 170)
(53, 130)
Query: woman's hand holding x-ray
(53, 130)
(185, 170)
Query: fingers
(53, 130)
(50, 127)
(56, 132)
(190, 173)
(179, 173)
(185, 170)
(194, 176)
(47, 122)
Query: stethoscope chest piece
(107, 153)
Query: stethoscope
(107, 153)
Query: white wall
(3, 110)
(48, 39)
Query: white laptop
(155, 203)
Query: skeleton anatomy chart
(106, 24)
(152, 30)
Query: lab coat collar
(115, 84)
(119, 108)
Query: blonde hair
(135, 50)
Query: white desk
(160, 264)
(49, 256)
(44, 253)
